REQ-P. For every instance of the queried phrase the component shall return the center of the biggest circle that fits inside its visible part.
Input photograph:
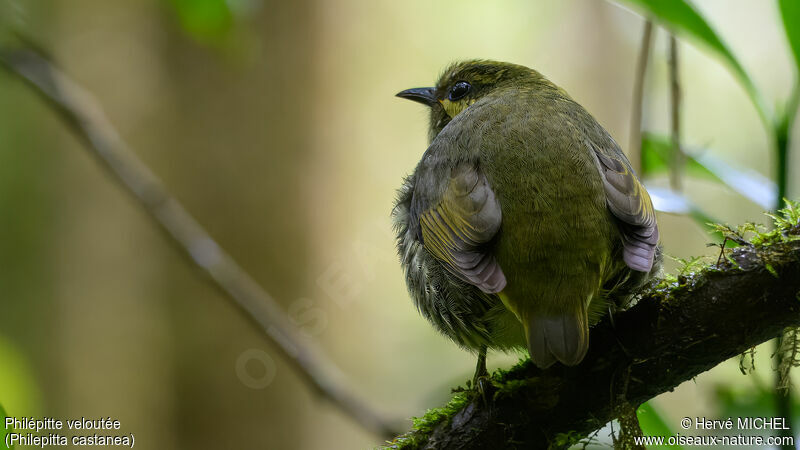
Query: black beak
(426, 96)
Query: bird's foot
(483, 389)
(481, 381)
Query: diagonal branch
(674, 333)
(85, 117)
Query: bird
(523, 223)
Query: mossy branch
(677, 330)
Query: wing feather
(628, 200)
(458, 229)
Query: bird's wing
(458, 228)
(628, 200)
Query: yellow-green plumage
(521, 216)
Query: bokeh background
(277, 126)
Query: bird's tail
(562, 337)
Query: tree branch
(85, 117)
(677, 158)
(675, 332)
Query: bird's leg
(480, 381)
(480, 369)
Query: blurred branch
(677, 161)
(682, 18)
(635, 153)
(782, 136)
(675, 332)
(83, 114)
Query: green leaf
(655, 154)
(3, 431)
(653, 424)
(656, 151)
(790, 13)
(682, 18)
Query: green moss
(786, 229)
(501, 376)
(507, 388)
(771, 270)
(690, 275)
(771, 245)
(434, 416)
(691, 265)
(424, 426)
(565, 440)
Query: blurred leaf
(669, 201)
(656, 154)
(790, 13)
(18, 389)
(735, 400)
(3, 430)
(207, 21)
(749, 183)
(654, 157)
(681, 17)
(653, 424)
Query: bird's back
(556, 225)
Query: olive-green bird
(524, 221)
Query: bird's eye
(459, 90)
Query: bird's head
(464, 83)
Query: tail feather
(563, 338)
